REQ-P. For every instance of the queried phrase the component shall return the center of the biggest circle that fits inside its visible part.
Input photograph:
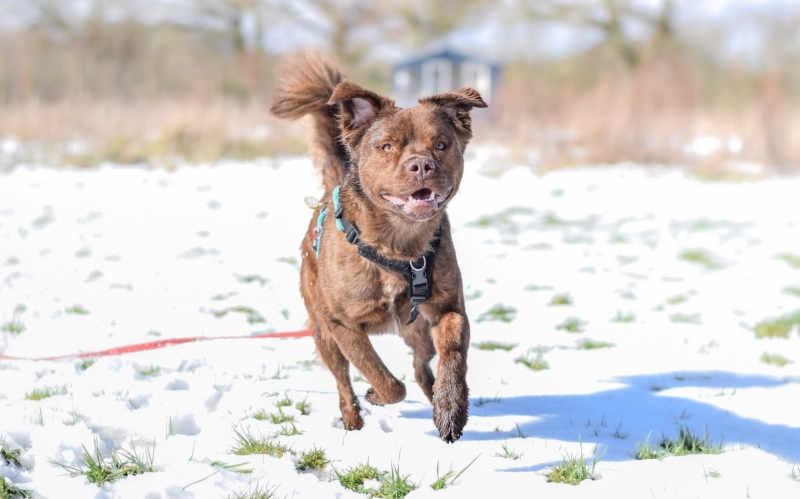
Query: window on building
(437, 76)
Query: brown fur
(373, 149)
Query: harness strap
(418, 274)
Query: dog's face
(409, 160)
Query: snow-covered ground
(114, 256)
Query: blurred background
(709, 84)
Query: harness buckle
(352, 234)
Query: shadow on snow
(620, 417)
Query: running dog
(378, 256)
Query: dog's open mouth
(422, 203)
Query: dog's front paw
(391, 396)
(351, 417)
(352, 420)
(450, 410)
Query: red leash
(154, 345)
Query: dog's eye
(441, 146)
(387, 147)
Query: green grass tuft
(498, 313)
(701, 257)
(314, 459)
(15, 325)
(624, 318)
(792, 290)
(284, 402)
(393, 484)
(775, 359)
(494, 345)
(688, 442)
(274, 417)
(247, 443)
(794, 474)
(252, 315)
(304, 407)
(791, 259)
(354, 478)
(46, 392)
(686, 319)
(289, 430)
(10, 456)
(674, 300)
(561, 299)
(259, 492)
(779, 327)
(509, 453)
(86, 364)
(235, 467)
(151, 371)
(10, 490)
(536, 363)
(450, 477)
(573, 469)
(100, 470)
(593, 345)
(251, 278)
(75, 417)
(572, 325)
(504, 221)
(77, 309)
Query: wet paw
(398, 394)
(449, 422)
(451, 411)
(373, 397)
(352, 420)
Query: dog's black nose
(421, 166)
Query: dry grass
(129, 92)
(583, 111)
(86, 133)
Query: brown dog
(398, 169)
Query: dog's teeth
(433, 195)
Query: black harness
(418, 274)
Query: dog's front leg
(450, 392)
(356, 347)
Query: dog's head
(409, 160)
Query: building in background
(442, 71)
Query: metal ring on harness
(424, 263)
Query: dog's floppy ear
(358, 107)
(456, 106)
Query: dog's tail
(306, 83)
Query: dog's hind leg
(337, 363)
(418, 337)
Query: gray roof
(443, 54)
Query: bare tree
(341, 22)
(432, 20)
(612, 18)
